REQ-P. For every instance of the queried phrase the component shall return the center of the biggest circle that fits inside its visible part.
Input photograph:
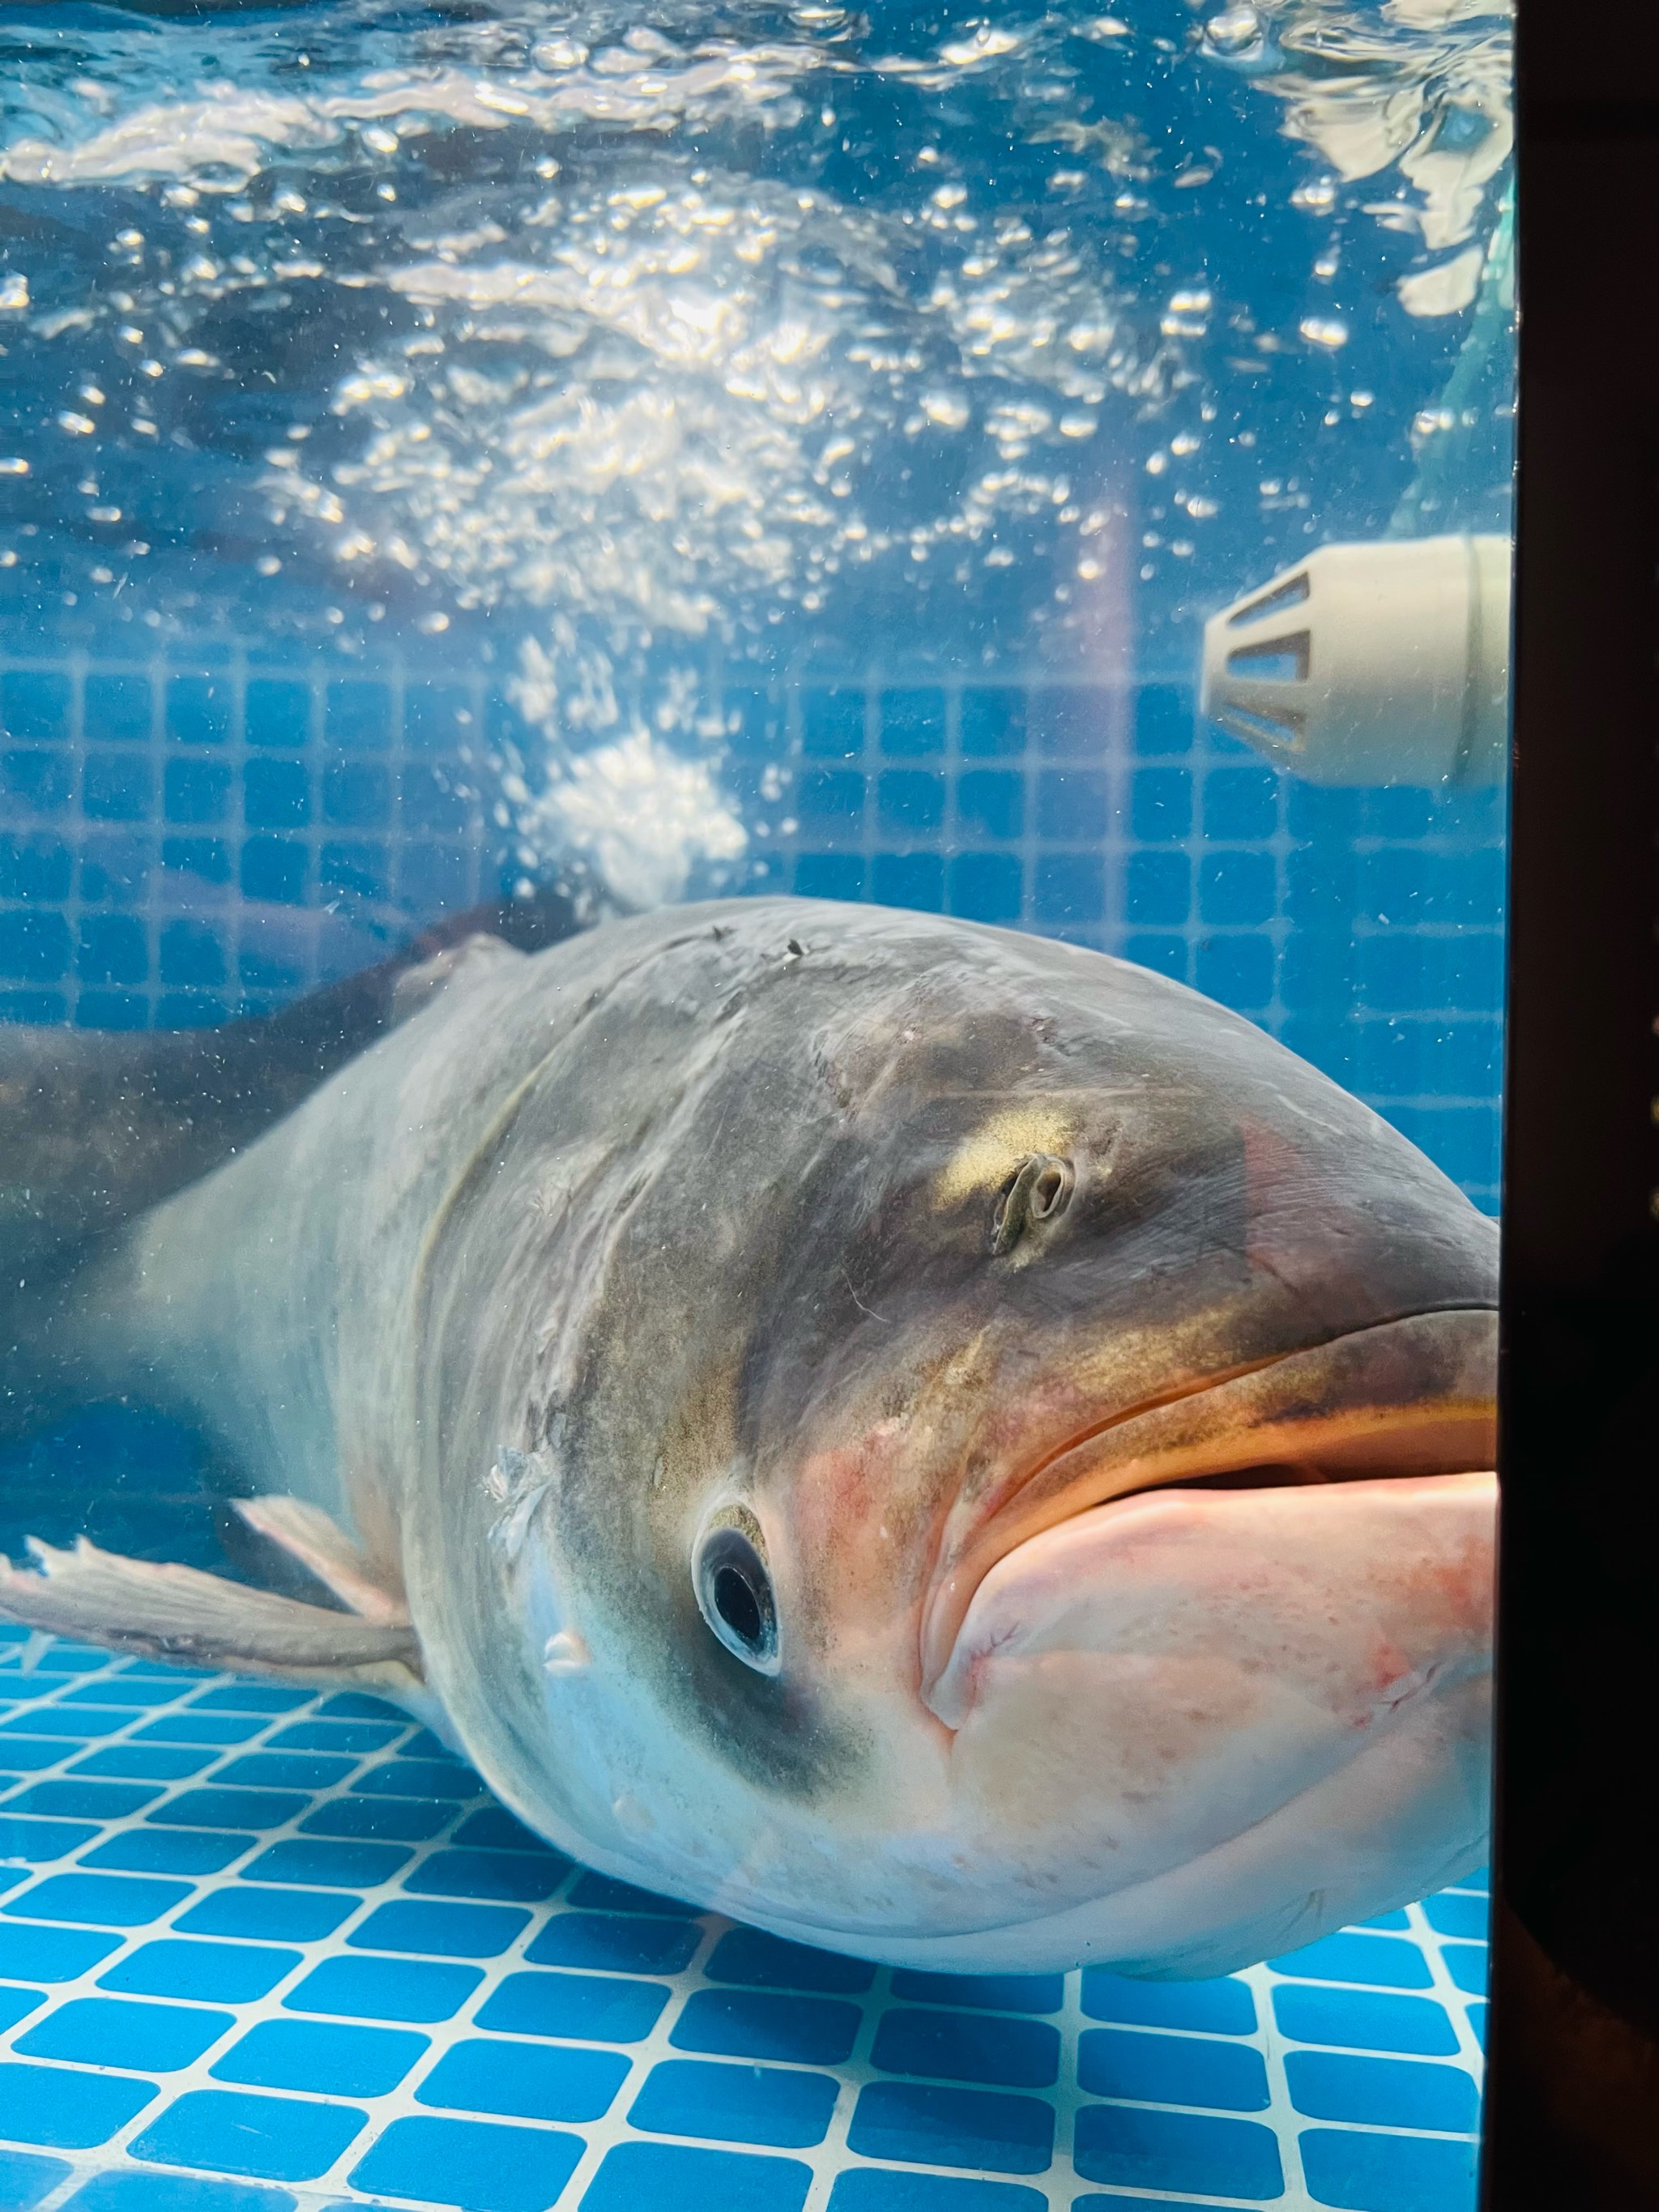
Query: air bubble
(1233, 33)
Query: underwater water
(475, 451)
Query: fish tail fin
(98, 1127)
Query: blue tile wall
(1364, 927)
(155, 817)
(274, 2019)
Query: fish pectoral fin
(176, 1613)
(324, 1549)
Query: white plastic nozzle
(1371, 664)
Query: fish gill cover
(759, 330)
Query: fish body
(935, 1442)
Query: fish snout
(1411, 1397)
(1153, 1677)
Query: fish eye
(734, 1592)
(1039, 1190)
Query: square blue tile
(1387, 2093)
(30, 1757)
(277, 712)
(1119, 2145)
(384, 1819)
(600, 1893)
(1357, 2020)
(578, 2007)
(914, 2123)
(993, 721)
(321, 2056)
(250, 1698)
(968, 2046)
(524, 2080)
(985, 887)
(1217, 2007)
(989, 1992)
(114, 2032)
(781, 2106)
(832, 722)
(749, 1956)
(195, 791)
(358, 713)
(525, 1877)
(67, 2109)
(636, 2175)
(355, 1736)
(269, 2138)
(873, 2189)
(1118, 2202)
(24, 2180)
(198, 710)
(907, 880)
(751, 2024)
(1467, 1965)
(477, 2164)
(827, 876)
(124, 1689)
(142, 1761)
(291, 1916)
(419, 1777)
(447, 1931)
(384, 1988)
(50, 1955)
(117, 787)
(72, 1723)
(17, 2004)
(494, 1829)
(330, 1866)
(197, 1728)
(164, 1850)
(1379, 1961)
(230, 1808)
(131, 2191)
(1172, 2070)
(40, 1842)
(991, 802)
(228, 1973)
(109, 1899)
(282, 1770)
(1387, 2173)
(616, 1942)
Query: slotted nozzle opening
(1383, 663)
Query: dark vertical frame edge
(1572, 2104)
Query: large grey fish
(934, 1442)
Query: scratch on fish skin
(518, 1481)
(859, 1302)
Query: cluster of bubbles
(758, 329)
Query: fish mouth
(1416, 1396)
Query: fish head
(1021, 1493)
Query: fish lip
(1454, 1427)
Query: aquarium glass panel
(752, 808)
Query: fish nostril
(1038, 1191)
(1050, 1190)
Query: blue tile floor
(267, 1951)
